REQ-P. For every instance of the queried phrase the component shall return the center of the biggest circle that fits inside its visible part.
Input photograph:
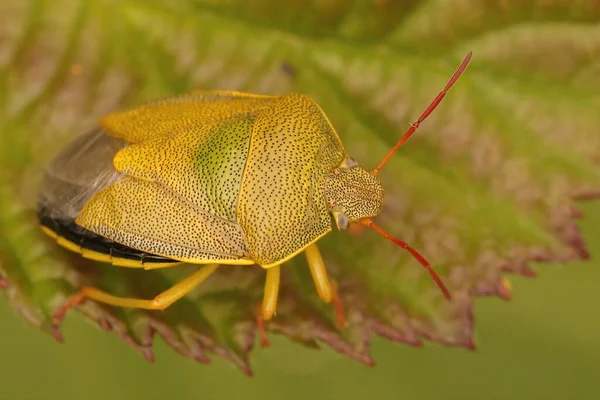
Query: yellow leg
(160, 302)
(271, 293)
(318, 272)
(326, 289)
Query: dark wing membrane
(91, 208)
(81, 170)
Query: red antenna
(413, 128)
(415, 125)
(413, 252)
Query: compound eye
(341, 220)
(349, 163)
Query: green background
(533, 87)
(544, 344)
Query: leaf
(484, 187)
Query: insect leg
(260, 325)
(160, 302)
(271, 293)
(269, 304)
(327, 290)
(338, 307)
(318, 272)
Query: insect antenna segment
(415, 125)
(413, 128)
(368, 222)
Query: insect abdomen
(95, 247)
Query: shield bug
(213, 178)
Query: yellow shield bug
(213, 178)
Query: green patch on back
(202, 165)
(220, 161)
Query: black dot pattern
(176, 114)
(227, 176)
(203, 164)
(354, 192)
(146, 216)
(83, 239)
(282, 206)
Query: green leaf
(484, 187)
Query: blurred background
(495, 168)
(544, 344)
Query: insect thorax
(353, 192)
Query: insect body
(212, 178)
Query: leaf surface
(484, 187)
